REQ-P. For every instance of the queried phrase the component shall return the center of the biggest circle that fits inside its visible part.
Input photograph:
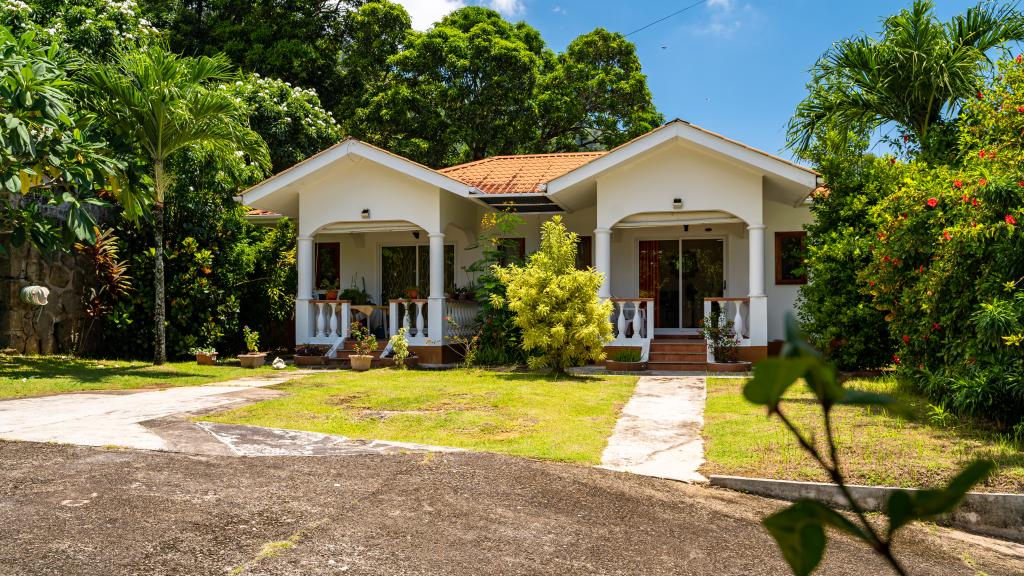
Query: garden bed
(522, 414)
(876, 448)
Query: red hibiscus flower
(871, 283)
(1020, 109)
(981, 95)
(1021, 183)
(936, 326)
(1020, 58)
(1010, 220)
(895, 359)
(881, 235)
(982, 182)
(906, 339)
(974, 202)
(933, 202)
(947, 235)
(967, 199)
(981, 154)
(958, 184)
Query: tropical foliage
(159, 103)
(556, 306)
(498, 342)
(915, 75)
(50, 153)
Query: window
(405, 271)
(790, 251)
(328, 266)
(584, 252)
(514, 249)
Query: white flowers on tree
(556, 306)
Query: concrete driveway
(94, 511)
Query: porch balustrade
(735, 309)
(330, 320)
(461, 318)
(632, 321)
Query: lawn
(36, 375)
(513, 413)
(875, 447)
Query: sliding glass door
(679, 275)
(405, 271)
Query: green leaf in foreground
(772, 377)
(905, 507)
(800, 533)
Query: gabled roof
(683, 130)
(352, 147)
(521, 174)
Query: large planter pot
(206, 359)
(361, 362)
(311, 360)
(616, 366)
(252, 360)
(332, 295)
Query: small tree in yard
(556, 306)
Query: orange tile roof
(521, 174)
(258, 212)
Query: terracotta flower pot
(310, 360)
(206, 359)
(331, 295)
(254, 360)
(616, 366)
(361, 362)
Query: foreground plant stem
(881, 546)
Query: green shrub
(556, 306)
(627, 355)
(498, 343)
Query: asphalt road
(82, 511)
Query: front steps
(686, 354)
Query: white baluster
(319, 319)
(636, 320)
(650, 320)
(421, 329)
(393, 318)
(406, 319)
(334, 319)
(737, 322)
(621, 323)
(346, 319)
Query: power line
(663, 18)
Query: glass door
(679, 274)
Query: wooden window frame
(780, 237)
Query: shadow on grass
(81, 370)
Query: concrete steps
(686, 354)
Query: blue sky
(737, 67)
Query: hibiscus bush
(947, 265)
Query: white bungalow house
(677, 220)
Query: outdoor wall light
(365, 214)
(416, 234)
(677, 203)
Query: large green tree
(914, 75)
(51, 158)
(162, 103)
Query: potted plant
(330, 288)
(400, 350)
(628, 360)
(255, 358)
(311, 355)
(412, 293)
(721, 337)
(205, 356)
(463, 293)
(364, 345)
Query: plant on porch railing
(800, 529)
(721, 336)
(556, 306)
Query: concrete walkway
(115, 419)
(659, 431)
(160, 420)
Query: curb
(991, 514)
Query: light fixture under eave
(365, 214)
(677, 203)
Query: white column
(757, 315)
(435, 308)
(755, 244)
(304, 289)
(603, 260)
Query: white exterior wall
(703, 181)
(781, 297)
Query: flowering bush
(947, 263)
(93, 28)
(399, 348)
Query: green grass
(37, 375)
(512, 413)
(874, 447)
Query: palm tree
(917, 71)
(160, 103)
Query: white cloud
(425, 13)
(559, 10)
(725, 18)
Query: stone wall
(45, 329)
